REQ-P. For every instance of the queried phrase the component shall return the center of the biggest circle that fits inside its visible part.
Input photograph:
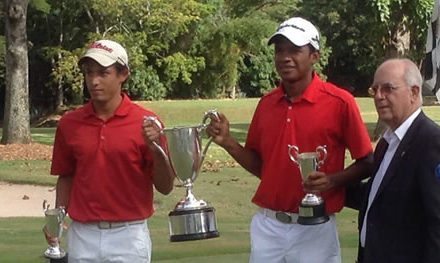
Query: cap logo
(101, 46)
(294, 26)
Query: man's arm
(64, 185)
(248, 159)
(163, 174)
(429, 183)
(359, 170)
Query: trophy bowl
(191, 219)
(54, 228)
(312, 207)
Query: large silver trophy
(191, 219)
(54, 228)
(312, 207)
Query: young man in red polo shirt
(306, 112)
(107, 165)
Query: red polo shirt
(109, 161)
(322, 115)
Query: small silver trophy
(312, 207)
(54, 228)
(191, 219)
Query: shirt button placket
(102, 136)
(289, 114)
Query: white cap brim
(296, 40)
(99, 57)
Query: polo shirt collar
(310, 94)
(122, 109)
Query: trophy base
(191, 237)
(59, 260)
(54, 253)
(192, 224)
(312, 214)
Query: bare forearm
(163, 175)
(248, 159)
(356, 172)
(64, 185)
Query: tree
(16, 128)
(363, 33)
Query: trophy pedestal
(192, 224)
(312, 214)
(55, 254)
(59, 260)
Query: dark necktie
(379, 153)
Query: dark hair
(121, 68)
(312, 49)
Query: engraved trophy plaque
(54, 228)
(191, 219)
(312, 207)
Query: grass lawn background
(229, 190)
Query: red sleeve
(63, 162)
(253, 136)
(356, 135)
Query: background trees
(209, 48)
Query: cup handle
(159, 125)
(293, 157)
(322, 154)
(210, 114)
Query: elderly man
(399, 219)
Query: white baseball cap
(298, 31)
(106, 53)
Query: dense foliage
(210, 48)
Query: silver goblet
(312, 207)
(191, 219)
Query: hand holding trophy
(191, 219)
(312, 207)
(53, 230)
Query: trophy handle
(322, 155)
(293, 157)
(210, 114)
(61, 217)
(159, 125)
(46, 205)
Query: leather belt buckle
(283, 217)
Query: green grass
(43, 135)
(184, 112)
(229, 191)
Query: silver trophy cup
(191, 219)
(54, 228)
(312, 207)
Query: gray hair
(411, 74)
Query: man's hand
(218, 129)
(151, 132)
(317, 182)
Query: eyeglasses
(384, 89)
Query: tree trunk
(16, 126)
(399, 41)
